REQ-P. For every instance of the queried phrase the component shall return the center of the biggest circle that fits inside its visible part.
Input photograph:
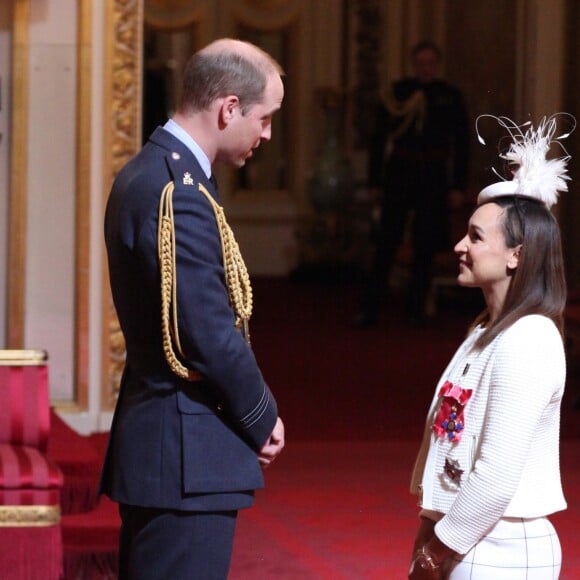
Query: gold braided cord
(168, 272)
(412, 110)
(236, 277)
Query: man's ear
(514, 258)
(229, 108)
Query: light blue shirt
(179, 133)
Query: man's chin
(245, 159)
(234, 163)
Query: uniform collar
(182, 135)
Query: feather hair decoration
(533, 174)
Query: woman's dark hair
(538, 284)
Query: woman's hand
(424, 533)
(424, 567)
(429, 553)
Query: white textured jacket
(509, 450)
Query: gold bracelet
(425, 559)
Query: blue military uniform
(174, 444)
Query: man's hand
(273, 445)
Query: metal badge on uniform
(187, 179)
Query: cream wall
(93, 418)
(50, 167)
(541, 54)
(50, 248)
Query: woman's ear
(514, 257)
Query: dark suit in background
(424, 121)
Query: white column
(540, 30)
(50, 262)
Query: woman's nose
(461, 246)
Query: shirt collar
(180, 133)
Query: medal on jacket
(453, 471)
(449, 422)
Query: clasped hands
(273, 446)
(429, 553)
(423, 566)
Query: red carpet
(340, 510)
(336, 504)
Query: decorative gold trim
(123, 62)
(83, 202)
(123, 88)
(17, 214)
(23, 357)
(16, 516)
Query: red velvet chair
(30, 484)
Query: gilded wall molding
(17, 211)
(124, 67)
(83, 204)
(123, 62)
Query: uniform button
(220, 407)
(176, 155)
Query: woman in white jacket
(487, 473)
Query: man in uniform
(422, 125)
(194, 421)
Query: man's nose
(266, 133)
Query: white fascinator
(534, 175)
